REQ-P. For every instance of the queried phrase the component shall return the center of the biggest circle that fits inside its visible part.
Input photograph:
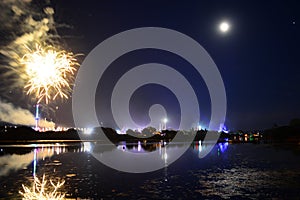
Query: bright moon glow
(224, 27)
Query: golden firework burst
(48, 72)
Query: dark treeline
(289, 134)
(23, 133)
(10, 133)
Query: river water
(229, 171)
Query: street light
(165, 120)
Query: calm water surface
(230, 171)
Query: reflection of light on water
(159, 148)
(136, 148)
(139, 146)
(15, 162)
(87, 147)
(57, 150)
(122, 146)
(164, 155)
(241, 181)
(42, 190)
(222, 147)
(34, 162)
(200, 146)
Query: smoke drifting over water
(16, 162)
(16, 115)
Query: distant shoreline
(26, 135)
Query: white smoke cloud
(15, 115)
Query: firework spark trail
(23, 25)
(48, 73)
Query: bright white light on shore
(224, 27)
(199, 127)
(165, 120)
(88, 131)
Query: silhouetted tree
(130, 132)
(148, 131)
(295, 122)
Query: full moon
(224, 27)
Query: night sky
(258, 57)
